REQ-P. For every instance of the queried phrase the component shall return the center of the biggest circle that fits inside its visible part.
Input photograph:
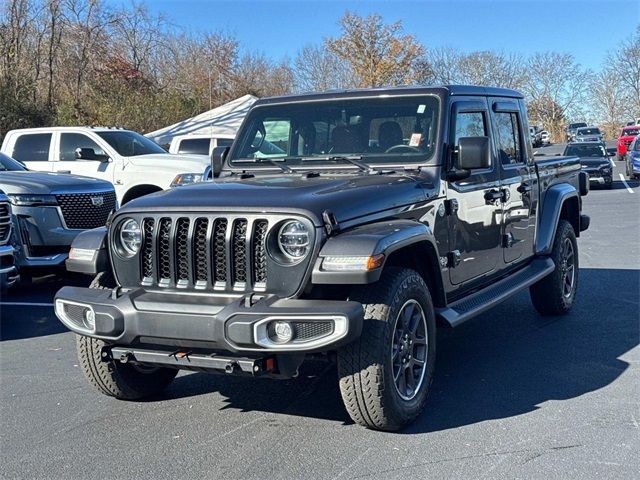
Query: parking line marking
(25, 304)
(625, 183)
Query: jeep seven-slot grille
(204, 253)
(86, 210)
(5, 223)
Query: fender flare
(90, 240)
(555, 199)
(367, 241)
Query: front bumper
(232, 324)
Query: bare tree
(378, 53)
(492, 69)
(317, 69)
(556, 87)
(609, 100)
(441, 66)
(625, 62)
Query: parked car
(571, 130)
(632, 160)
(588, 134)
(198, 144)
(627, 135)
(50, 210)
(8, 270)
(594, 160)
(350, 255)
(135, 165)
(545, 137)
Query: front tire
(385, 375)
(555, 293)
(112, 378)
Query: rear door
(66, 161)
(33, 150)
(475, 223)
(517, 179)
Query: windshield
(8, 164)
(588, 131)
(586, 151)
(379, 130)
(130, 144)
(573, 126)
(630, 132)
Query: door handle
(493, 195)
(63, 171)
(524, 187)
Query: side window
(508, 138)
(194, 145)
(32, 147)
(70, 142)
(224, 142)
(470, 124)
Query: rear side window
(195, 145)
(508, 138)
(70, 142)
(32, 147)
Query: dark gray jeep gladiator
(343, 225)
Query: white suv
(134, 164)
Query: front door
(517, 177)
(475, 217)
(94, 162)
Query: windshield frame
(240, 164)
(114, 145)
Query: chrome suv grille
(227, 254)
(86, 210)
(5, 223)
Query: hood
(595, 162)
(347, 196)
(49, 183)
(170, 162)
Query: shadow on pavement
(26, 310)
(505, 363)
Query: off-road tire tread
(110, 378)
(546, 294)
(361, 363)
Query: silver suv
(50, 210)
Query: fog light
(283, 331)
(90, 319)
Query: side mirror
(473, 153)
(611, 154)
(218, 156)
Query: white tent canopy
(223, 120)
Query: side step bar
(482, 300)
(188, 360)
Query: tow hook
(126, 357)
(231, 367)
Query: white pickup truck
(134, 164)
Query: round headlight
(130, 237)
(293, 240)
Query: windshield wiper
(273, 161)
(353, 159)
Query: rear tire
(115, 379)
(555, 293)
(395, 352)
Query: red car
(627, 134)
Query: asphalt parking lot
(515, 395)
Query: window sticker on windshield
(421, 108)
(415, 139)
